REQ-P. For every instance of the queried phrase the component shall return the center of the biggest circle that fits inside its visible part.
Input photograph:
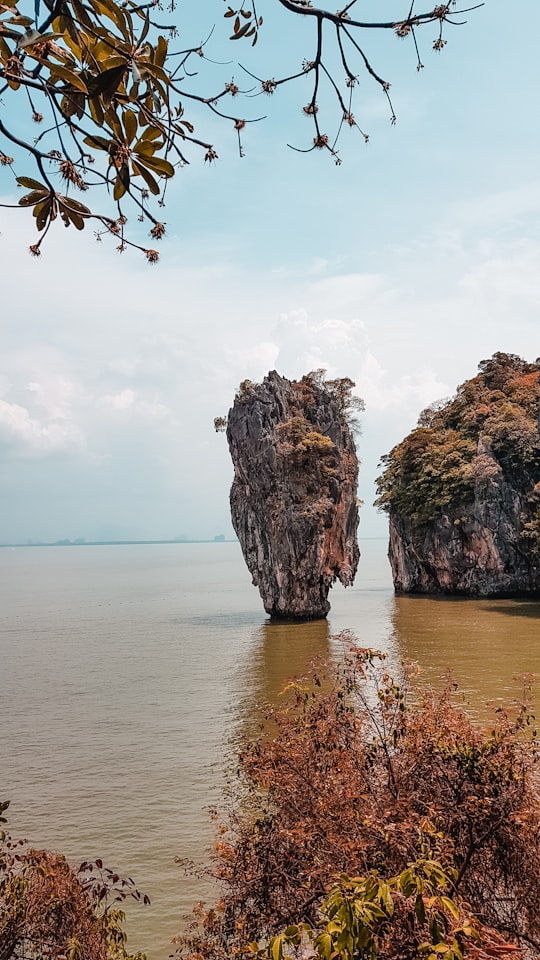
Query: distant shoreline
(107, 543)
(125, 543)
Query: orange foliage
(356, 781)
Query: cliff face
(293, 497)
(463, 489)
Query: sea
(130, 673)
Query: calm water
(126, 672)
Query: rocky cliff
(463, 490)
(293, 497)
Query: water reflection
(279, 651)
(483, 643)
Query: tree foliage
(369, 826)
(115, 98)
(488, 430)
(295, 431)
(50, 911)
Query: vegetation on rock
(369, 826)
(486, 433)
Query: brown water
(127, 674)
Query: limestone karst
(293, 498)
(462, 490)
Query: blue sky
(402, 268)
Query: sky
(401, 268)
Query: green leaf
(419, 909)
(276, 948)
(449, 905)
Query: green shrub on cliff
(491, 425)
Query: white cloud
(128, 392)
(119, 402)
(22, 435)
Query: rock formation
(463, 489)
(293, 497)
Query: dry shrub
(356, 782)
(51, 911)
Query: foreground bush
(367, 826)
(49, 911)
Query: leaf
(147, 177)
(32, 184)
(109, 62)
(119, 187)
(73, 79)
(98, 143)
(96, 110)
(449, 905)
(112, 121)
(106, 84)
(5, 52)
(19, 20)
(72, 204)
(159, 164)
(42, 211)
(114, 13)
(73, 105)
(146, 148)
(146, 27)
(160, 54)
(420, 909)
(241, 32)
(276, 948)
(76, 219)
(151, 133)
(130, 125)
(156, 71)
(30, 199)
